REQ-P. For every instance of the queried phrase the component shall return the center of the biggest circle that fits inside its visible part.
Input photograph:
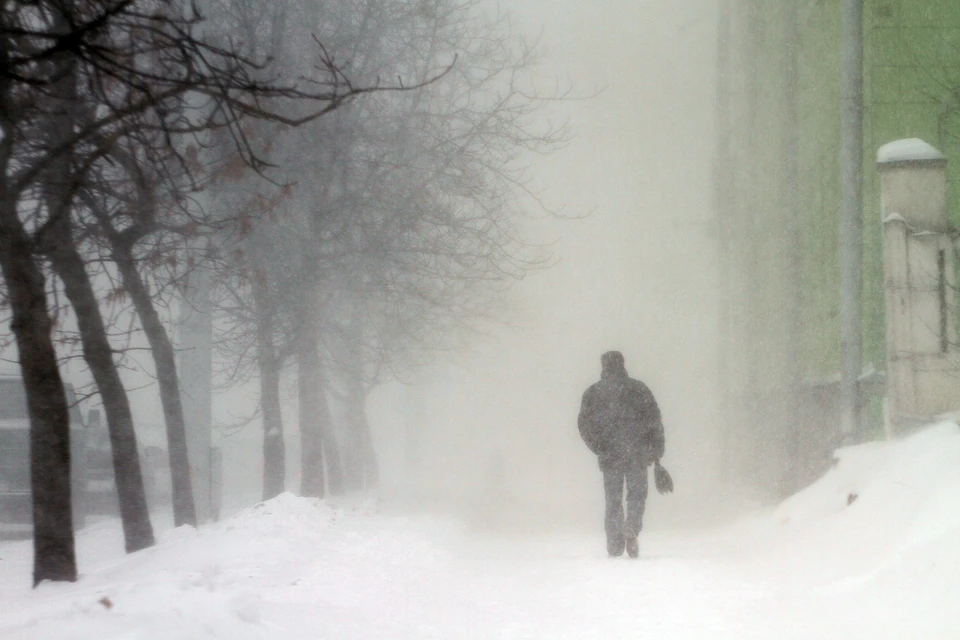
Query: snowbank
(872, 550)
(190, 585)
(290, 557)
(872, 547)
(881, 502)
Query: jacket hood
(612, 365)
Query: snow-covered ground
(872, 550)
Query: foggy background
(489, 433)
(637, 274)
(690, 221)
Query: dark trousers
(616, 473)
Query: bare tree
(387, 229)
(408, 216)
(125, 66)
(273, 287)
(148, 221)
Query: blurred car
(16, 506)
(100, 486)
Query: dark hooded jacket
(619, 417)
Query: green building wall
(911, 90)
(911, 83)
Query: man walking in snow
(620, 422)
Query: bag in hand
(662, 479)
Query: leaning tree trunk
(98, 354)
(274, 449)
(314, 416)
(184, 510)
(50, 455)
(54, 557)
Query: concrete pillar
(919, 284)
(899, 327)
(913, 184)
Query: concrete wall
(923, 360)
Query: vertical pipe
(942, 299)
(851, 215)
(792, 290)
(723, 209)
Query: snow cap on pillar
(911, 150)
(913, 184)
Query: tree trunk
(184, 511)
(371, 469)
(359, 459)
(98, 354)
(352, 455)
(54, 557)
(331, 448)
(274, 448)
(314, 417)
(195, 368)
(362, 471)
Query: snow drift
(871, 550)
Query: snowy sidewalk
(294, 569)
(886, 566)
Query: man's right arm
(654, 424)
(649, 420)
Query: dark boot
(615, 546)
(633, 547)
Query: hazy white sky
(638, 274)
